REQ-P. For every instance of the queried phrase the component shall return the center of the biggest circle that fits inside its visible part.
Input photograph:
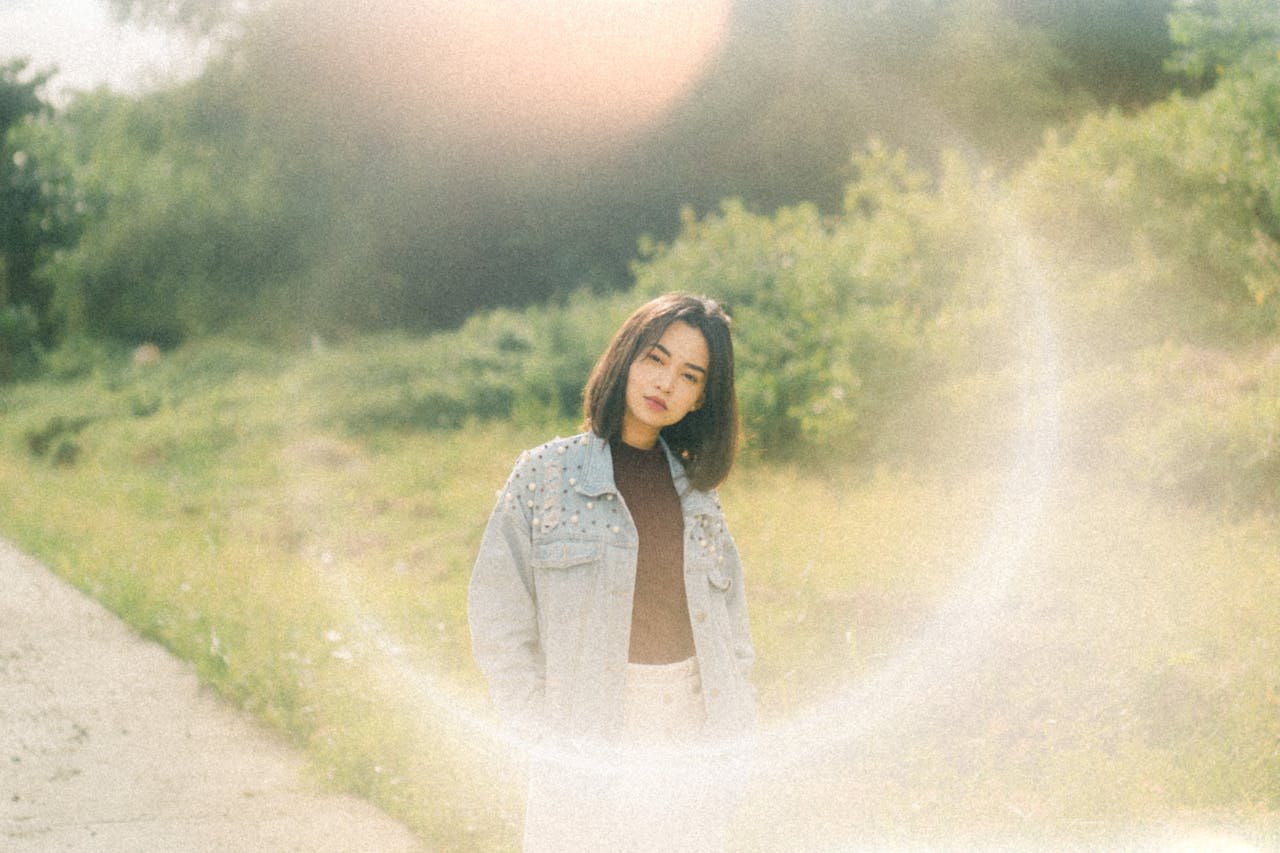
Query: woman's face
(664, 384)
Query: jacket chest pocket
(565, 554)
(567, 575)
(568, 579)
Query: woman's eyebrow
(687, 364)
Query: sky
(89, 48)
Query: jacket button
(608, 497)
(701, 616)
(616, 529)
(715, 692)
(591, 505)
(573, 481)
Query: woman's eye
(691, 378)
(653, 356)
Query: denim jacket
(550, 597)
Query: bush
(1213, 440)
(19, 342)
(1201, 425)
(840, 319)
(77, 357)
(1166, 225)
(528, 366)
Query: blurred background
(285, 286)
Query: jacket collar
(597, 476)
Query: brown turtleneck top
(660, 629)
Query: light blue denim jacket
(550, 597)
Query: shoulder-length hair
(706, 439)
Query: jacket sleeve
(502, 613)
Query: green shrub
(56, 439)
(839, 319)
(527, 366)
(19, 341)
(79, 356)
(1166, 224)
(199, 367)
(1193, 423)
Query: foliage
(319, 581)
(299, 188)
(19, 342)
(998, 81)
(528, 367)
(1114, 48)
(840, 319)
(1162, 234)
(1196, 424)
(1214, 35)
(1167, 223)
(890, 318)
(37, 218)
(187, 221)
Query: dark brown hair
(705, 439)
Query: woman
(606, 604)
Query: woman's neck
(639, 437)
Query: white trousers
(651, 795)
(663, 703)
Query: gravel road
(109, 743)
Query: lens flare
(938, 653)
(570, 68)
(950, 642)
(499, 82)
(531, 78)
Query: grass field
(1109, 673)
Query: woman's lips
(656, 404)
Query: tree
(186, 222)
(35, 219)
(379, 198)
(1213, 35)
(19, 190)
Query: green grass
(313, 568)
(1130, 680)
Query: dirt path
(108, 743)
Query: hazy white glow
(954, 639)
(90, 49)
(939, 653)
(569, 69)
